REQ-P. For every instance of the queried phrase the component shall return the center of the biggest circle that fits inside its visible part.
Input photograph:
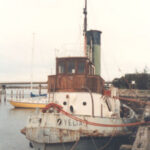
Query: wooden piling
(0, 95)
(40, 89)
(17, 94)
(11, 94)
(22, 93)
(4, 95)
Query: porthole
(64, 103)
(71, 109)
(84, 103)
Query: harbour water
(11, 122)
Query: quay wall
(134, 93)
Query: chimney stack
(94, 49)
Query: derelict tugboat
(80, 116)
(79, 113)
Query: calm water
(11, 122)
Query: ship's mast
(85, 28)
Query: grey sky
(125, 26)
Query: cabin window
(81, 67)
(61, 67)
(71, 67)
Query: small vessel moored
(37, 102)
(32, 101)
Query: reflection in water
(13, 111)
(11, 122)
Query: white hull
(54, 129)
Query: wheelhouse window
(71, 67)
(61, 67)
(81, 67)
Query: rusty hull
(56, 128)
(55, 135)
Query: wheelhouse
(74, 66)
(75, 74)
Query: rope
(75, 144)
(93, 142)
(59, 109)
(102, 148)
(132, 100)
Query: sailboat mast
(85, 28)
(32, 57)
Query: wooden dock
(23, 84)
(142, 140)
(19, 87)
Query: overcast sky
(58, 26)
